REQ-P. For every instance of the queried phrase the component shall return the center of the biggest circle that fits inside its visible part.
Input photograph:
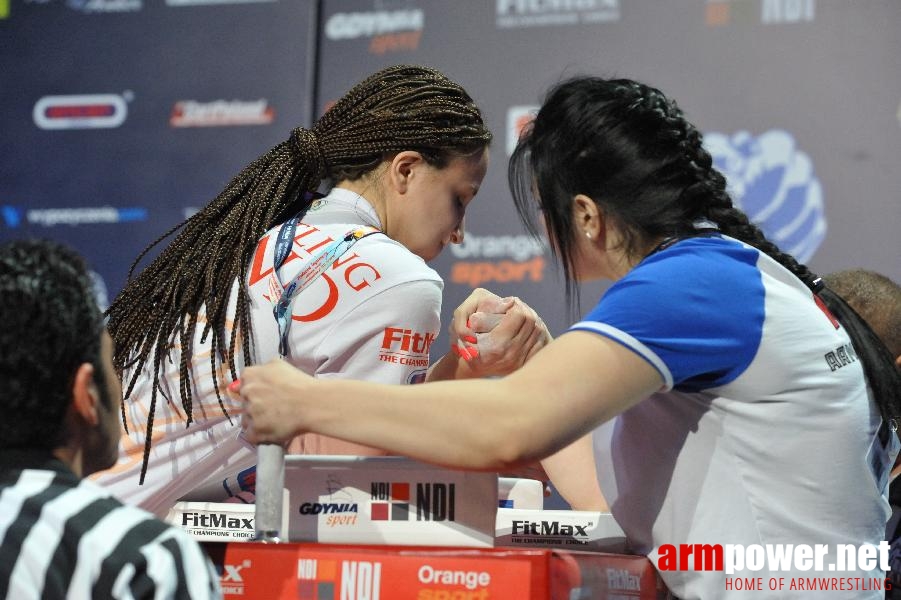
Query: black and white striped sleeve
(66, 540)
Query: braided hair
(396, 109)
(630, 148)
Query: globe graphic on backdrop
(774, 184)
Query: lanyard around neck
(285, 294)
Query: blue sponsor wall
(121, 117)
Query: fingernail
(471, 339)
(456, 350)
(235, 386)
(473, 352)
(468, 326)
(464, 353)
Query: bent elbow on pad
(579, 487)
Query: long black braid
(631, 149)
(399, 108)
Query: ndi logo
(320, 579)
(767, 12)
(433, 502)
(773, 182)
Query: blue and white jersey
(764, 431)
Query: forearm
(447, 368)
(468, 424)
(560, 395)
(573, 473)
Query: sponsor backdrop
(122, 116)
(799, 100)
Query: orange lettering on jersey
(326, 307)
(364, 282)
(357, 280)
(410, 341)
(257, 270)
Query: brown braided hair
(630, 148)
(398, 108)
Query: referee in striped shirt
(62, 536)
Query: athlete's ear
(587, 217)
(402, 168)
(85, 395)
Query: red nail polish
(464, 353)
(235, 386)
(471, 339)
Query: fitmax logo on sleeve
(88, 111)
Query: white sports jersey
(372, 315)
(764, 432)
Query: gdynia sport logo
(821, 567)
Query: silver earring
(588, 235)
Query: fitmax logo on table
(231, 580)
(774, 183)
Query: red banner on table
(333, 572)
